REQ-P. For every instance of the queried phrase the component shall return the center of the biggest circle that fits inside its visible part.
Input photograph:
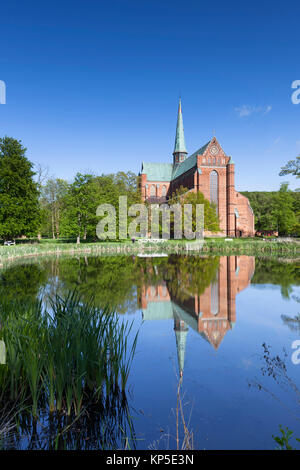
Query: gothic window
(164, 190)
(214, 187)
(214, 161)
(152, 190)
(204, 160)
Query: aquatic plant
(283, 440)
(64, 361)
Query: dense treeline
(69, 209)
(276, 210)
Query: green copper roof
(180, 344)
(157, 171)
(201, 150)
(158, 311)
(179, 138)
(168, 172)
(181, 313)
(186, 165)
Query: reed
(65, 359)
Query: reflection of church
(211, 314)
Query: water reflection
(198, 294)
(211, 313)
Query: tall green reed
(65, 357)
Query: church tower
(181, 330)
(180, 153)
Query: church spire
(181, 330)
(179, 149)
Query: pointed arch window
(152, 190)
(214, 188)
(164, 190)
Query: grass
(66, 362)
(215, 246)
(251, 247)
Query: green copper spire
(179, 139)
(181, 331)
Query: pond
(215, 365)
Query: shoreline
(280, 250)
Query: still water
(223, 326)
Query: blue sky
(94, 85)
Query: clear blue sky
(94, 85)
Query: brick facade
(234, 210)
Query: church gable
(213, 149)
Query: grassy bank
(214, 246)
(253, 247)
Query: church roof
(201, 150)
(157, 171)
(158, 311)
(183, 167)
(167, 171)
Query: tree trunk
(79, 228)
(57, 223)
(52, 216)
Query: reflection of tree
(189, 276)
(110, 281)
(292, 323)
(113, 281)
(22, 282)
(275, 367)
(272, 272)
(185, 276)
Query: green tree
(52, 201)
(283, 210)
(269, 212)
(211, 219)
(183, 196)
(291, 168)
(19, 206)
(81, 203)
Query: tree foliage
(70, 208)
(53, 195)
(291, 168)
(184, 196)
(276, 210)
(19, 207)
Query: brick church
(208, 170)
